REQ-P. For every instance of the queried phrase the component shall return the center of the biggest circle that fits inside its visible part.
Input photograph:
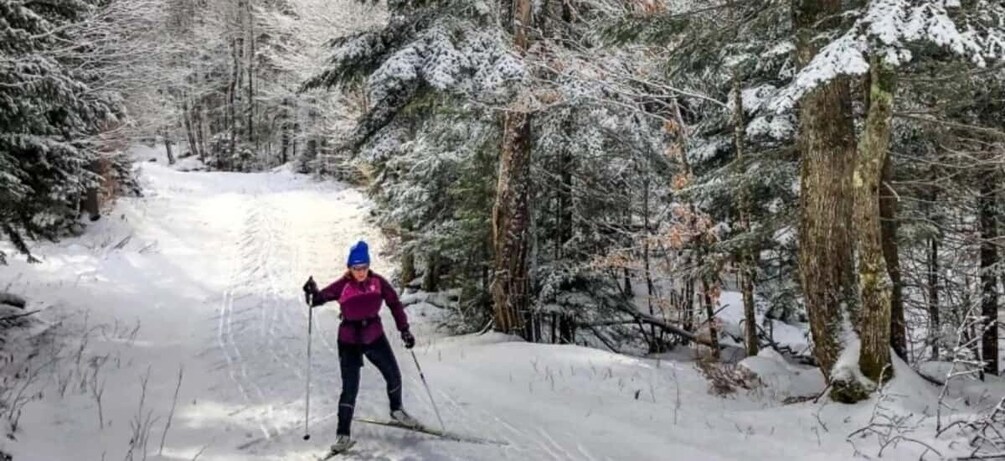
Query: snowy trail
(211, 272)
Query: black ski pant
(350, 357)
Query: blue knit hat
(358, 254)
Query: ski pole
(424, 383)
(310, 326)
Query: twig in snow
(10, 319)
(197, 455)
(976, 457)
(141, 423)
(98, 390)
(819, 420)
(174, 403)
(822, 393)
(961, 365)
(889, 427)
(123, 242)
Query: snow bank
(783, 379)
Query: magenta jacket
(360, 303)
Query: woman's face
(359, 272)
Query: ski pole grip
(308, 292)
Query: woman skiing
(360, 293)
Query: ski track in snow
(231, 252)
(261, 333)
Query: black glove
(316, 300)
(311, 292)
(408, 339)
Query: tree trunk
(511, 212)
(431, 276)
(888, 216)
(566, 329)
(510, 223)
(200, 129)
(167, 147)
(554, 327)
(187, 115)
(285, 145)
(92, 201)
(713, 330)
(296, 131)
(688, 321)
(746, 257)
(989, 280)
(655, 344)
(565, 199)
(934, 323)
(311, 149)
(827, 143)
(231, 104)
(407, 268)
(875, 289)
(250, 107)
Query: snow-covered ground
(200, 279)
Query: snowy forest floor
(200, 280)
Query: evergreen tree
(48, 121)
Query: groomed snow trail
(209, 266)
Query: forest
(605, 173)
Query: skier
(360, 293)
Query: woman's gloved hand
(408, 339)
(311, 293)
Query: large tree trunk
(874, 313)
(888, 211)
(827, 143)
(989, 280)
(511, 222)
(511, 212)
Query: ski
(333, 453)
(433, 432)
